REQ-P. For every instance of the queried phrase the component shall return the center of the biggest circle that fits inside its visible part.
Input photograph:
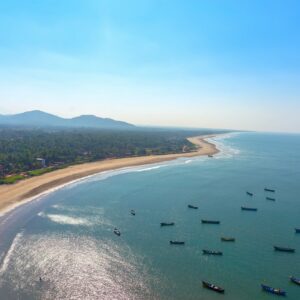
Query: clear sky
(218, 64)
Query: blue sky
(219, 64)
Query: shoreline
(29, 189)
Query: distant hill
(37, 118)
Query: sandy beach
(16, 194)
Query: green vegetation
(20, 147)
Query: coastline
(28, 189)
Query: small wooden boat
(271, 199)
(284, 249)
(248, 208)
(227, 239)
(249, 194)
(297, 230)
(211, 252)
(192, 206)
(269, 190)
(176, 243)
(167, 224)
(271, 290)
(132, 212)
(209, 155)
(117, 232)
(210, 222)
(295, 280)
(213, 287)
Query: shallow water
(68, 240)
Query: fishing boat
(284, 249)
(213, 287)
(249, 194)
(271, 290)
(297, 230)
(192, 206)
(227, 239)
(248, 208)
(209, 155)
(271, 199)
(167, 224)
(177, 243)
(295, 280)
(117, 232)
(210, 222)
(269, 190)
(132, 212)
(211, 252)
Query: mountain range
(37, 118)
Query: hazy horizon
(195, 65)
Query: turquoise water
(69, 240)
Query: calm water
(68, 240)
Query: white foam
(10, 252)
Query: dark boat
(209, 155)
(271, 199)
(269, 190)
(227, 239)
(167, 224)
(192, 206)
(211, 252)
(271, 290)
(210, 222)
(297, 230)
(284, 249)
(213, 287)
(117, 232)
(132, 212)
(295, 280)
(248, 208)
(176, 243)
(249, 194)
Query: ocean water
(67, 237)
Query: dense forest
(20, 147)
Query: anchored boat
(117, 232)
(227, 239)
(177, 243)
(269, 190)
(248, 208)
(192, 206)
(271, 199)
(213, 287)
(132, 212)
(167, 224)
(210, 222)
(271, 290)
(297, 230)
(295, 280)
(284, 249)
(249, 194)
(211, 252)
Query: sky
(214, 64)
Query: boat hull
(271, 290)
(284, 249)
(248, 208)
(167, 224)
(209, 252)
(224, 239)
(210, 222)
(176, 243)
(295, 280)
(212, 287)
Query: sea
(62, 245)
